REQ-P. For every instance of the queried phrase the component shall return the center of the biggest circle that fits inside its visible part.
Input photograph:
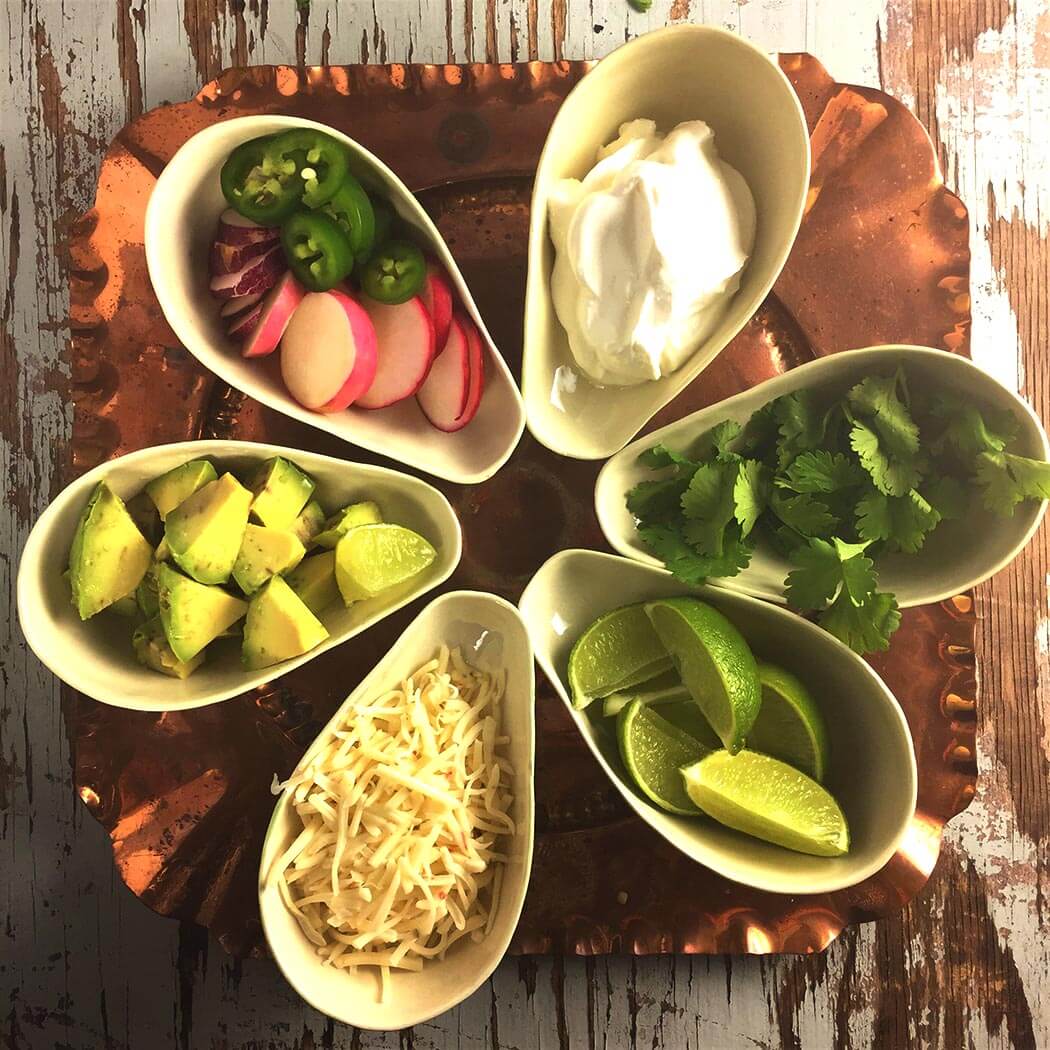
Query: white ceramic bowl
(681, 73)
(492, 635)
(95, 656)
(180, 226)
(958, 555)
(872, 768)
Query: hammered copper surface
(185, 796)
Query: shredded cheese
(402, 813)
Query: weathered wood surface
(83, 964)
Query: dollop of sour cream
(650, 246)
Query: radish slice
(274, 314)
(476, 363)
(437, 297)
(259, 275)
(235, 229)
(328, 353)
(238, 305)
(242, 325)
(443, 396)
(229, 258)
(405, 342)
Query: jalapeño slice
(320, 161)
(253, 189)
(351, 208)
(317, 250)
(395, 272)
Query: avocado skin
(109, 555)
(281, 491)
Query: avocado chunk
(178, 484)
(152, 649)
(127, 606)
(281, 491)
(144, 515)
(146, 593)
(109, 555)
(192, 613)
(310, 522)
(279, 626)
(205, 530)
(265, 553)
(314, 581)
(340, 523)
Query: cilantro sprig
(833, 481)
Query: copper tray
(185, 797)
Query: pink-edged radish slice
(233, 307)
(405, 342)
(258, 275)
(241, 326)
(444, 394)
(229, 258)
(328, 353)
(436, 294)
(235, 229)
(476, 363)
(277, 309)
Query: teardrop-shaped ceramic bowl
(872, 762)
(958, 555)
(680, 73)
(95, 656)
(493, 636)
(180, 226)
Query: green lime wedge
(371, 558)
(767, 798)
(653, 751)
(619, 650)
(715, 663)
(685, 715)
(664, 689)
(789, 724)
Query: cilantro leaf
(1007, 479)
(947, 496)
(821, 471)
(714, 444)
(804, 513)
(799, 423)
(660, 456)
(891, 474)
(865, 628)
(668, 543)
(708, 504)
(817, 578)
(966, 429)
(651, 501)
(902, 521)
(878, 400)
(758, 438)
(750, 494)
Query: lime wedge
(789, 724)
(619, 650)
(685, 715)
(715, 663)
(664, 689)
(653, 751)
(767, 798)
(371, 558)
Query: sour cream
(650, 246)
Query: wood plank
(86, 965)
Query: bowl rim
(786, 382)
(365, 685)
(32, 622)
(811, 884)
(538, 285)
(156, 246)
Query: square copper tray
(185, 797)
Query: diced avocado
(144, 515)
(281, 491)
(146, 593)
(310, 522)
(163, 551)
(279, 626)
(265, 553)
(126, 606)
(193, 614)
(314, 581)
(109, 555)
(152, 649)
(178, 484)
(340, 523)
(205, 530)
